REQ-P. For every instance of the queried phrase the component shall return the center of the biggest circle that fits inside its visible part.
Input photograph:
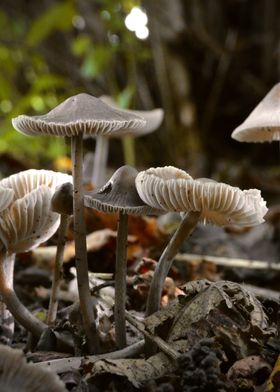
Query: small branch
(228, 262)
(68, 364)
(162, 345)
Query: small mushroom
(153, 120)
(172, 189)
(77, 116)
(24, 224)
(263, 123)
(16, 375)
(119, 195)
(62, 203)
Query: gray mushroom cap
(153, 117)
(263, 123)
(119, 194)
(81, 113)
(62, 199)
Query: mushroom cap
(172, 189)
(18, 376)
(153, 118)
(62, 199)
(28, 220)
(263, 123)
(119, 194)
(6, 197)
(81, 113)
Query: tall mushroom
(119, 195)
(26, 222)
(263, 123)
(172, 189)
(153, 120)
(80, 115)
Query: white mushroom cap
(81, 113)
(153, 118)
(26, 181)
(28, 220)
(263, 123)
(172, 189)
(18, 376)
(119, 194)
(6, 197)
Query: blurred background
(206, 63)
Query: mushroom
(62, 203)
(172, 189)
(16, 375)
(80, 115)
(263, 123)
(25, 223)
(153, 120)
(119, 195)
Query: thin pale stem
(100, 160)
(18, 310)
(6, 319)
(86, 304)
(56, 280)
(120, 280)
(164, 264)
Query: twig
(68, 364)
(228, 262)
(162, 345)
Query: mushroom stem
(86, 304)
(120, 280)
(18, 310)
(163, 266)
(63, 229)
(100, 160)
(6, 319)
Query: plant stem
(63, 229)
(86, 304)
(18, 310)
(163, 266)
(100, 160)
(120, 280)
(128, 144)
(6, 319)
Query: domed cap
(81, 113)
(18, 376)
(119, 194)
(153, 118)
(28, 220)
(6, 197)
(172, 189)
(62, 200)
(263, 124)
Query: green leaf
(57, 17)
(96, 60)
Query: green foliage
(45, 57)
